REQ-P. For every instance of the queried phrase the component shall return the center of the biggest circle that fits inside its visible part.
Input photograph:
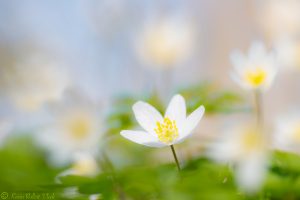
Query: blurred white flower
(257, 70)
(287, 134)
(71, 192)
(75, 127)
(84, 164)
(165, 43)
(161, 131)
(280, 17)
(246, 149)
(289, 53)
(33, 82)
(95, 197)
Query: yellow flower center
(251, 140)
(166, 131)
(84, 167)
(160, 49)
(256, 77)
(79, 128)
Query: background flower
(84, 164)
(165, 42)
(75, 127)
(287, 133)
(245, 149)
(34, 82)
(257, 70)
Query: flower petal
(237, 79)
(177, 110)
(257, 51)
(248, 181)
(224, 150)
(238, 61)
(141, 137)
(147, 116)
(190, 123)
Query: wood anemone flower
(161, 131)
(256, 70)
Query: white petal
(238, 61)
(257, 51)
(141, 137)
(191, 123)
(251, 172)
(147, 116)
(223, 151)
(237, 79)
(177, 110)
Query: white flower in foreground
(287, 134)
(75, 126)
(165, 43)
(33, 82)
(245, 149)
(161, 131)
(257, 70)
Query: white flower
(287, 134)
(95, 197)
(84, 164)
(165, 42)
(75, 126)
(71, 192)
(245, 148)
(257, 70)
(33, 82)
(161, 131)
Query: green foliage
(283, 180)
(199, 179)
(214, 99)
(24, 168)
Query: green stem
(259, 110)
(175, 157)
(108, 164)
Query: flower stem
(175, 157)
(259, 109)
(108, 163)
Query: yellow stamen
(252, 140)
(166, 131)
(79, 127)
(256, 77)
(84, 167)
